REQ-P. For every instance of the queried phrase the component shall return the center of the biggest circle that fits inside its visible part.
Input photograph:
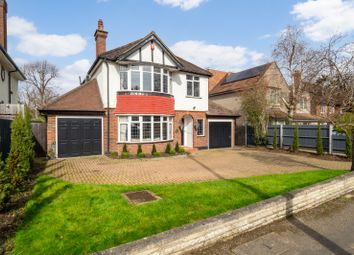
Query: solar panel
(246, 74)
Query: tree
(298, 62)
(345, 124)
(38, 90)
(21, 156)
(5, 186)
(254, 106)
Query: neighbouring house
(10, 75)
(226, 90)
(138, 94)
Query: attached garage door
(219, 134)
(79, 137)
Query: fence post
(281, 136)
(330, 139)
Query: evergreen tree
(319, 146)
(295, 146)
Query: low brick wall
(228, 225)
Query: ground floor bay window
(145, 129)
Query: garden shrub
(21, 156)
(5, 186)
(156, 154)
(348, 147)
(168, 148)
(275, 142)
(114, 154)
(172, 152)
(295, 145)
(125, 154)
(141, 155)
(319, 145)
(140, 150)
(177, 148)
(181, 150)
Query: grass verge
(66, 218)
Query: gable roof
(241, 80)
(125, 50)
(218, 77)
(85, 97)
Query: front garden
(66, 218)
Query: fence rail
(333, 142)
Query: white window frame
(169, 130)
(195, 79)
(303, 106)
(141, 87)
(323, 109)
(274, 92)
(203, 121)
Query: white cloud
(69, 75)
(265, 36)
(322, 19)
(33, 43)
(20, 61)
(183, 4)
(223, 57)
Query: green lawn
(65, 218)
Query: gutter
(108, 115)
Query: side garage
(75, 124)
(79, 136)
(222, 123)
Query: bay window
(145, 78)
(140, 129)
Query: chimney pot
(100, 25)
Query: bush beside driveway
(203, 166)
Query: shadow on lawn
(324, 241)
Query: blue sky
(224, 34)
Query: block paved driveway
(202, 166)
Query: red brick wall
(198, 141)
(51, 135)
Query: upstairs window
(331, 109)
(157, 79)
(135, 78)
(123, 74)
(147, 78)
(274, 96)
(323, 108)
(193, 86)
(303, 103)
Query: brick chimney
(3, 24)
(100, 37)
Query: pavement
(202, 166)
(327, 229)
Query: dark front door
(219, 134)
(79, 137)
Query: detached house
(139, 93)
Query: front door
(188, 132)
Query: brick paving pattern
(202, 166)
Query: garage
(79, 137)
(220, 135)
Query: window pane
(165, 84)
(165, 71)
(189, 88)
(135, 118)
(147, 69)
(123, 130)
(200, 127)
(123, 80)
(157, 131)
(147, 81)
(135, 83)
(164, 118)
(146, 131)
(196, 89)
(156, 118)
(135, 132)
(123, 119)
(170, 131)
(164, 131)
(157, 69)
(135, 67)
(146, 118)
(196, 78)
(157, 82)
(189, 77)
